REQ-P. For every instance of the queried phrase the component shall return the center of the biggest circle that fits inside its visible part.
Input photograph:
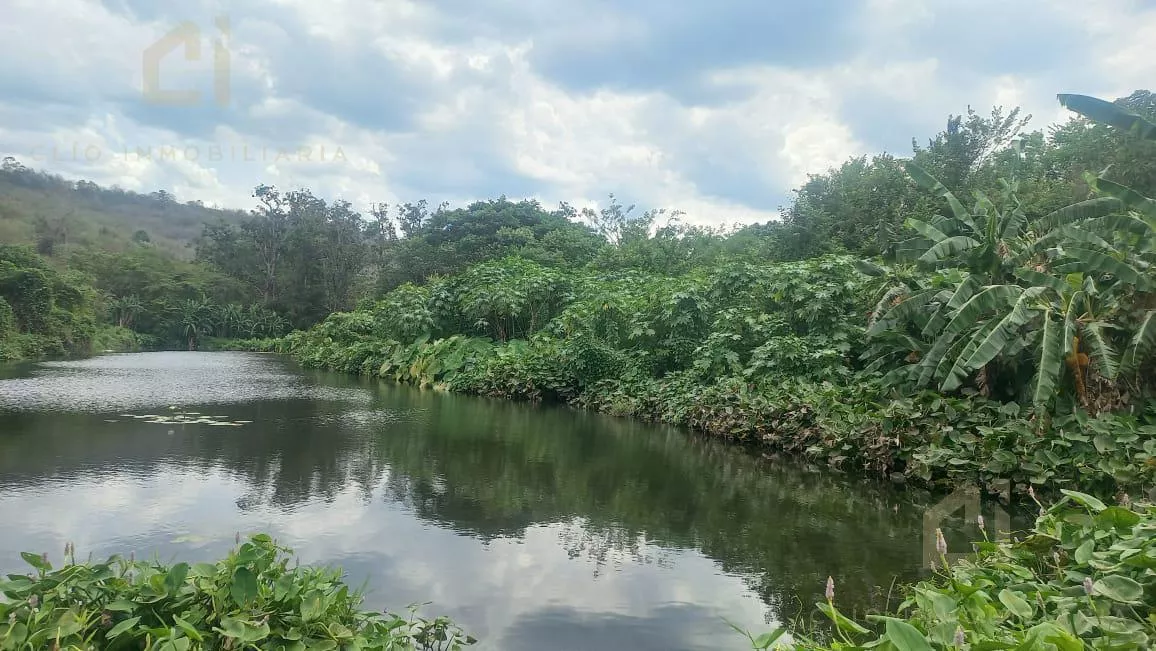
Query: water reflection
(535, 528)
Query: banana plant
(1004, 290)
(1140, 216)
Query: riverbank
(28, 347)
(928, 438)
(1080, 579)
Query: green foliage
(44, 312)
(7, 319)
(252, 598)
(506, 299)
(1080, 579)
(1014, 296)
(445, 242)
(117, 339)
(761, 354)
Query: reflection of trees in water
(614, 546)
(620, 491)
(491, 469)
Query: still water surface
(534, 528)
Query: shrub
(1082, 578)
(250, 599)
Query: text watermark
(213, 153)
(967, 498)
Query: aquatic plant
(251, 599)
(1084, 577)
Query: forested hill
(50, 212)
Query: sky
(715, 108)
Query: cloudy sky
(717, 108)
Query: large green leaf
(949, 247)
(1108, 113)
(176, 577)
(1143, 341)
(1015, 602)
(902, 311)
(1069, 234)
(244, 588)
(1118, 587)
(1040, 279)
(1091, 261)
(1101, 348)
(963, 292)
(1081, 211)
(930, 364)
(1131, 199)
(883, 305)
(926, 230)
(1126, 223)
(994, 298)
(121, 627)
(868, 268)
(951, 375)
(999, 338)
(1013, 224)
(906, 637)
(928, 182)
(1050, 362)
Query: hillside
(50, 212)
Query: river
(532, 527)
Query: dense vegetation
(1081, 579)
(1001, 339)
(252, 599)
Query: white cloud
(465, 116)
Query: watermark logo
(186, 35)
(967, 498)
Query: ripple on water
(139, 380)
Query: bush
(1082, 578)
(115, 339)
(250, 599)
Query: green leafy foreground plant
(252, 599)
(1083, 578)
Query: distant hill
(51, 213)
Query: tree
(125, 310)
(956, 155)
(267, 231)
